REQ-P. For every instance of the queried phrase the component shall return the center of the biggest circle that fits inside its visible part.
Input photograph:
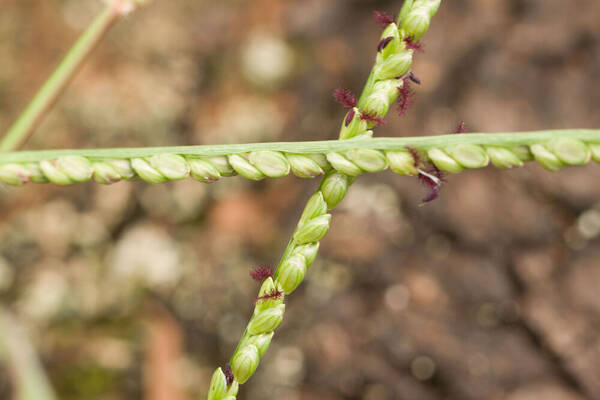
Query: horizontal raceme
(311, 147)
(360, 156)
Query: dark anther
(383, 43)
(414, 78)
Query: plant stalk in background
(30, 380)
(49, 93)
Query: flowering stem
(381, 90)
(312, 147)
(49, 93)
(352, 157)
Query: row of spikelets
(269, 307)
(257, 165)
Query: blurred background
(134, 291)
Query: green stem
(315, 147)
(367, 88)
(29, 120)
(20, 357)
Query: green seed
(468, 155)
(271, 163)
(146, 171)
(443, 161)
(266, 321)
(503, 158)
(546, 158)
(303, 166)
(54, 174)
(14, 174)
(218, 385)
(244, 363)
(308, 251)
(313, 230)
(315, 206)
(291, 273)
(172, 166)
(203, 171)
(261, 342)
(401, 162)
(570, 151)
(334, 187)
(241, 165)
(343, 165)
(368, 159)
(267, 287)
(123, 168)
(78, 168)
(221, 163)
(396, 65)
(104, 173)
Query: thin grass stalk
(20, 357)
(49, 93)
